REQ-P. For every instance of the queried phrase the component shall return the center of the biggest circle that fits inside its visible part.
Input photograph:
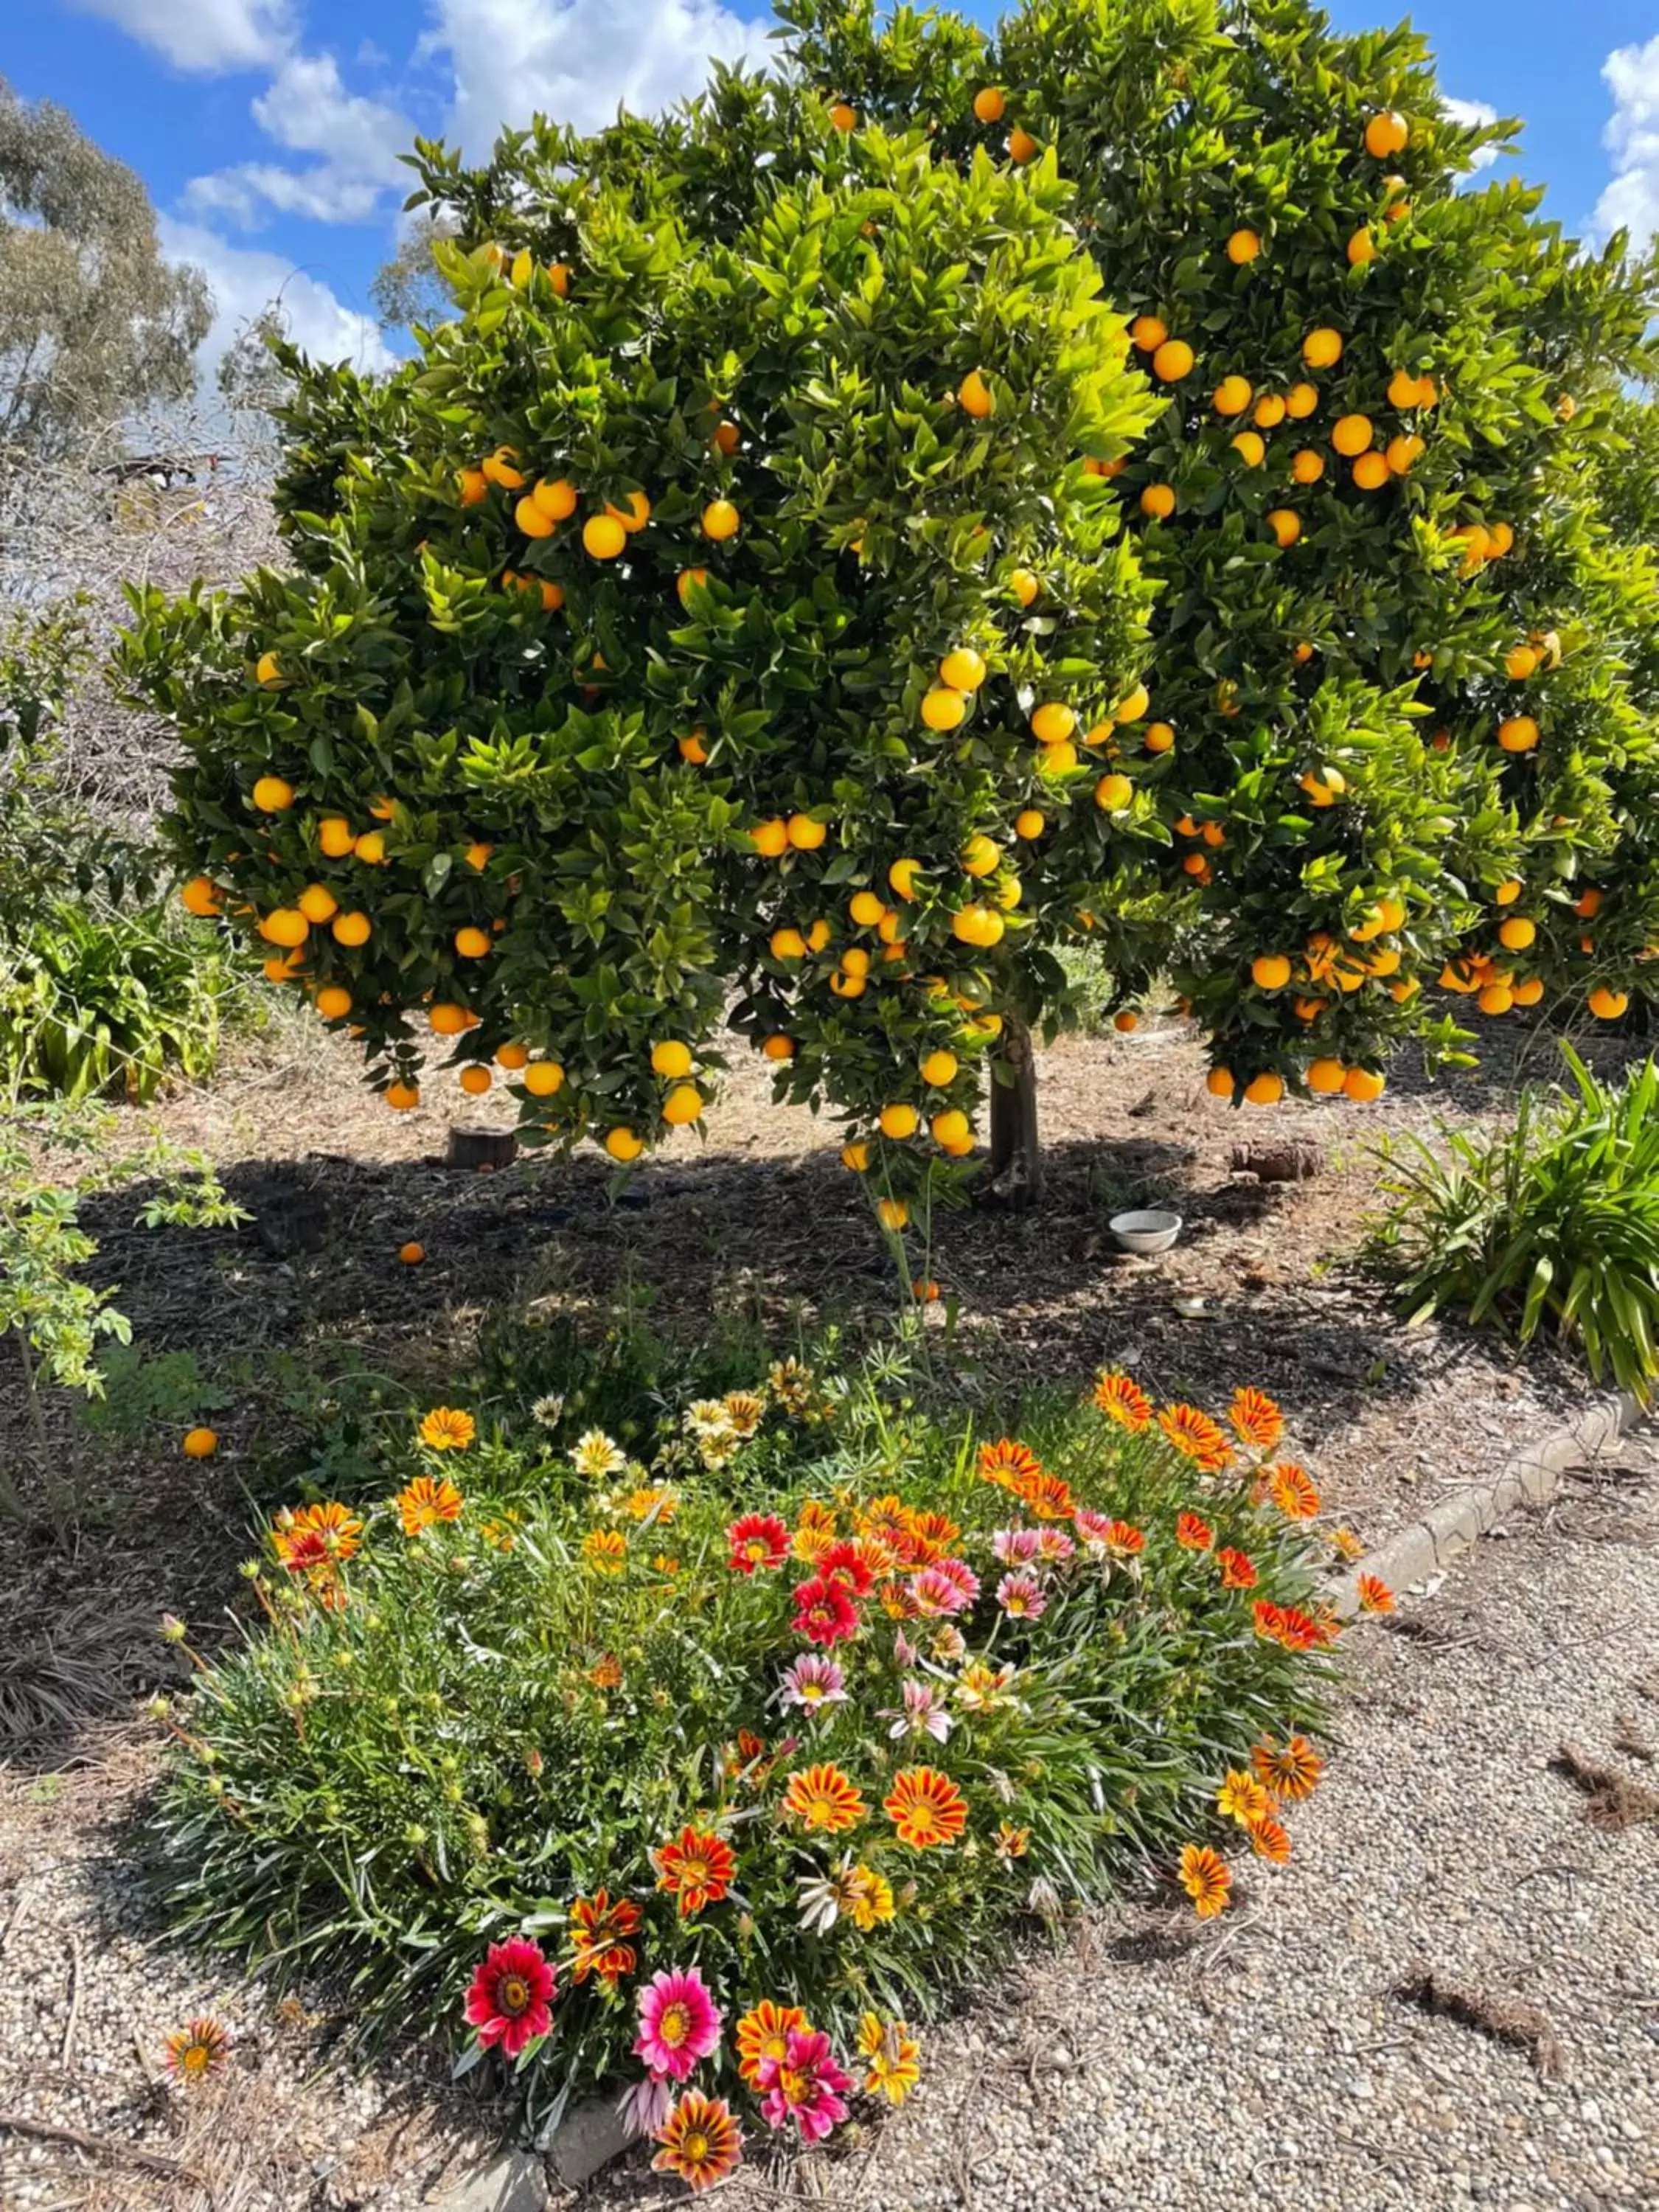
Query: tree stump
(1297, 1161)
(482, 1149)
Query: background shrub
(435, 1741)
(1553, 1224)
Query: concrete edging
(1531, 1477)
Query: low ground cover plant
(1553, 1224)
(705, 1772)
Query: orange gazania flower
(1242, 1798)
(1291, 1770)
(929, 1536)
(1123, 1401)
(701, 2141)
(1196, 1435)
(196, 2051)
(1195, 1535)
(1270, 1839)
(425, 1502)
(696, 1868)
(1254, 1419)
(823, 1799)
(599, 1931)
(1374, 1594)
(447, 1429)
(1207, 1878)
(1346, 1544)
(1238, 1569)
(1007, 1463)
(926, 1806)
(1124, 1541)
(764, 2034)
(604, 1550)
(316, 1535)
(1291, 1489)
(607, 1675)
(888, 1518)
(1045, 1497)
(815, 1531)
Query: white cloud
(246, 279)
(306, 107)
(210, 35)
(1631, 202)
(577, 61)
(1470, 113)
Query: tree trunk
(1014, 1177)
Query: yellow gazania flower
(605, 1551)
(893, 2058)
(870, 1898)
(447, 1429)
(1242, 1798)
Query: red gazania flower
(1123, 1401)
(1300, 1631)
(701, 2141)
(843, 1562)
(511, 1999)
(1196, 1437)
(599, 1930)
(824, 1612)
(1238, 1569)
(1254, 1419)
(1207, 1878)
(1045, 1497)
(1292, 1491)
(1192, 1533)
(824, 1800)
(1290, 1770)
(1270, 1839)
(303, 1551)
(330, 1525)
(926, 1808)
(758, 1539)
(763, 2035)
(1374, 1595)
(1124, 1541)
(696, 1867)
(1007, 1463)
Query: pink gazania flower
(644, 2107)
(758, 1539)
(905, 1654)
(813, 1684)
(824, 1612)
(1021, 1597)
(947, 1586)
(923, 1712)
(1192, 1533)
(1016, 1547)
(680, 2023)
(511, 1999)
(1055, 1546)
(1094, 1529)
(804, 2086)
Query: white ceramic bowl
(1145, 1232)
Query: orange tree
(1402, 714)
(672, 634)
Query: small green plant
(806, 1699)
(1555, 1223)
(94, 1002)
(56, 1319)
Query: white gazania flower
(594, 1454)
(550, 1410)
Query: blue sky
(267, 130)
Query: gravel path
(1267, 2063)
